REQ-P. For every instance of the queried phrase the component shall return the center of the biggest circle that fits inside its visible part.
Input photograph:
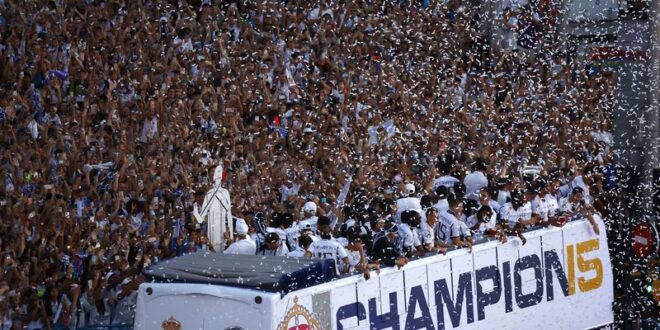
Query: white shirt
(565, 205)
(448, 227)
(329, 249)
(552, 205)
(149, 130)
(427, 233)
(244, 246)
(578, 181)
(512, 216)
(464, 229)
(297, 253)
(473, 220)
(407, 203)
(442, 205)
(503, 197)
(540, 207)
(286, 191)
(445, 180)
(280, 233)
(282, 250)
(313, 220)
(353, 260)
(292, 235)
(409, 235)
(473, 183)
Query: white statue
(217, 206)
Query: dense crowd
(389, 129)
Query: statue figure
(216, 210)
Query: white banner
(560, 279)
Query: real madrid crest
(299, 318)
(171, 324)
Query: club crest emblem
(171, 324)
(299, 318)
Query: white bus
(560, 279)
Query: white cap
(309, 207)
(410, 188)
(241, 227)
(304, 225)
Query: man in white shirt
(575, 206)
(518, 214)
(545, 205)
(408, 203)
(410, 221)
(309, 214)
(549, 194)
(442, 204)
(273, 246)
(449, 228)
(302, 250)
(328, 248)
(428, 230)
(476, 180)
(243, 244)
(445, 180)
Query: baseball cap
(304, 225)
(410, 188)
(241, 227)
(309, 207)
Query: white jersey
(540, 207)
(512, 216)
(353, 260)
(244, 246)
(566, 206)
(552, 205)
(445, 180)
(297, 253)
(313, 220)
(407, 203)
(329, 249)
(409, 236)
(464, 229)
(473, 183)
(292, 235)
(427, 233)
(448, 227)
(282, 250)
(472, 221)
(442, 205)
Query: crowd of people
(368, 131)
